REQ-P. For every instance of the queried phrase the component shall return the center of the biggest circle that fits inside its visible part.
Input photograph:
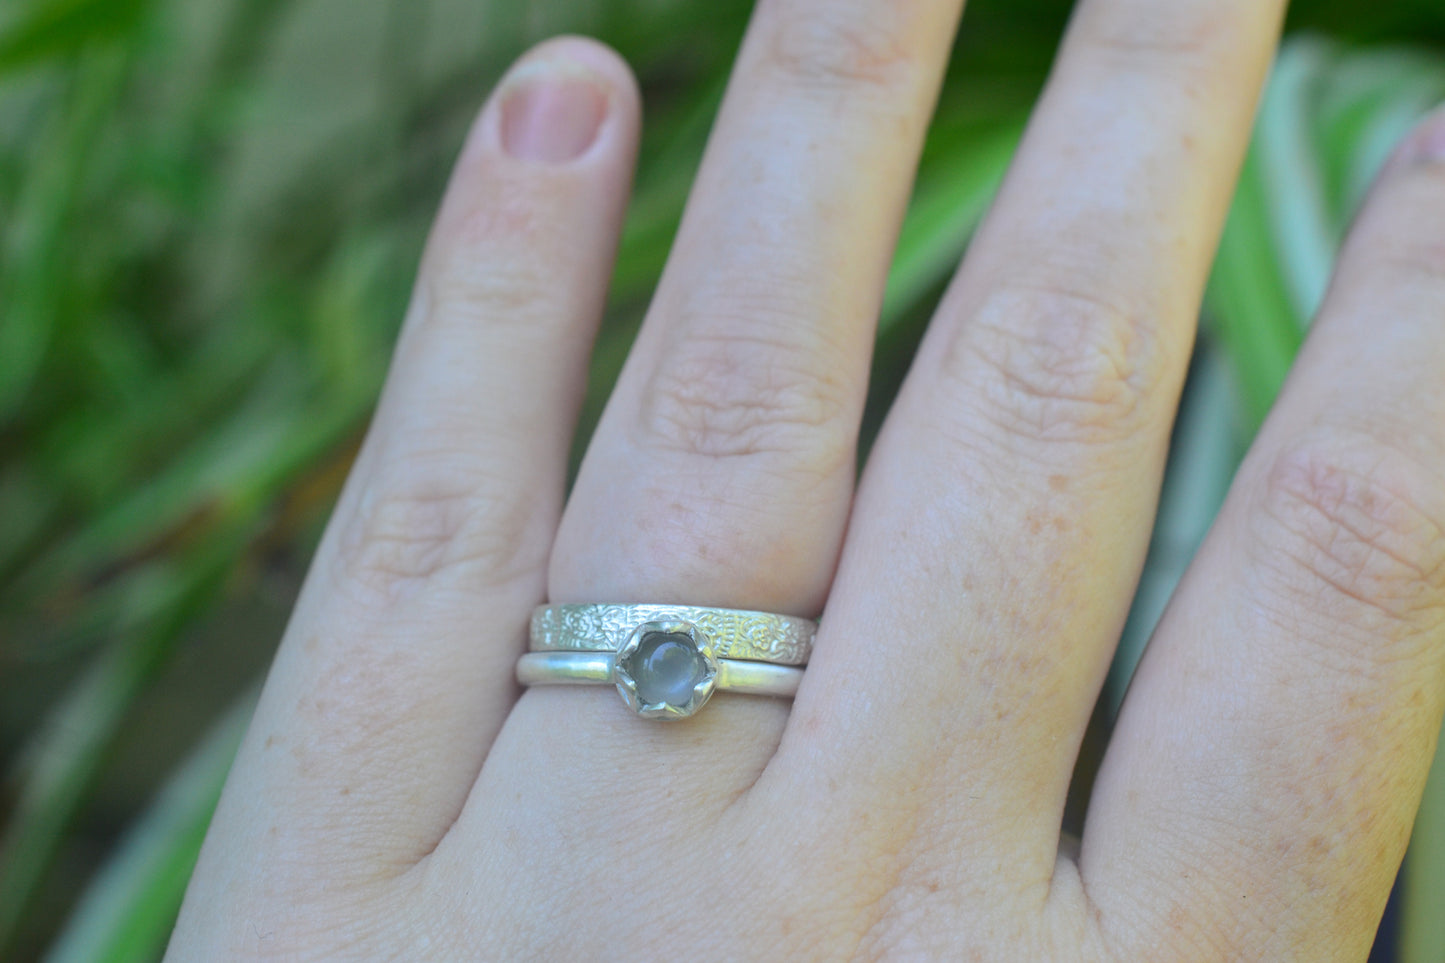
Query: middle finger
(1003, 519)
(722, 470)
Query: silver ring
(667, 660)
(592, 668)
(735, 633)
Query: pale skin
(398, 797)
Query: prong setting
(665, 670)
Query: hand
(398, 797)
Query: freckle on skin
(303, 762)
(270, 741)
(1058, 482)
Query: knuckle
(844, 46)
(497, 293)
(405, 533)
(1053, 365)
(472, 263)
(745, 394)
(1352, 535)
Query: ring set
(667, 660)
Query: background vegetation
(211, 213)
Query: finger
(1259, 790)
(1006, 508)
(722, 470)
(396, 669)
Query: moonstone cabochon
(666, 667)
(662, 692)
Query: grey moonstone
(665, 668)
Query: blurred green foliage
(211, 214)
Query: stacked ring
(667, 660)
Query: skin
(397, 796)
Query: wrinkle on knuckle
(469, 266)
(1352, 537)
(844, 48)
(496, 291)
(406, 533)
(1054, 366)
(721, 397)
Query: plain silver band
(595, 668)
(732, 633)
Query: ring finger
(722, 470)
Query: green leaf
(1207, 449)
(1291, 173)
(55, 28)
(37, 255)
(58, 765)
(127, 911)
(1249, 299)
(946, 209)
(1422, 927)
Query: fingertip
(546, 169)
(594, 56)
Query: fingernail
(551, 115)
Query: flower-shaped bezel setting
(626, 682)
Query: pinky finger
(1258, 795)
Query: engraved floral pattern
(750, 636)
